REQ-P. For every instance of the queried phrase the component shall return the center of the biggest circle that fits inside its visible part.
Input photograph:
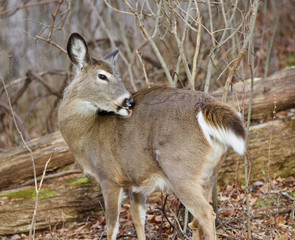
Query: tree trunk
(276, 92)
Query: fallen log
(61, 200)
(274, 93)
(271, 154)
(16, 165)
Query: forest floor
(272, 216)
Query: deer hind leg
(191, 192)
(204, 217)
(113, 196)
(216, 158)
(138, 211)
(188, 186)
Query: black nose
(129, 102)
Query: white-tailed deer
(172, 139)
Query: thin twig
(21, 79)
(48, 40)
(116, 9)
(50, 176)
(184, 33)
(143, 68)
(53, 19)
(242, 52)
(26, 146)
(52, 43)
(37, 197)
(180, 48)
(33, 75)
(198, 43)
(153, 44)
(251, 64)
(211, 57)
(269, 48)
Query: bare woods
(222, 47)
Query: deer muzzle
(126, 107)
(129, 103)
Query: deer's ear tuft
(78, 50)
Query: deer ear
(113, 54)
(78, 50)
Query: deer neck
(76, 118)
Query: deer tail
(221, 122)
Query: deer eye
(102, 77)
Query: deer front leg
(138, 211)
(112, 195)
(194, 226)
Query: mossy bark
(60, 202)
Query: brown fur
(221, 115)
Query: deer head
(97, 83)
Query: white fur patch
(142, 213)
(79, 50)
(116, 229)
(86, 107)
(119, 101)
(123, 112)
(225, 136)
(154, 183)
(218, 149)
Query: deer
(159, 138)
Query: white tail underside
(225, 136)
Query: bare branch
(181, 50)
(114, 45)
(33, 75)
(116, 9)
(51, 43)
(10, 12)
(53, 19)
(153, 44)
(198, 43)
